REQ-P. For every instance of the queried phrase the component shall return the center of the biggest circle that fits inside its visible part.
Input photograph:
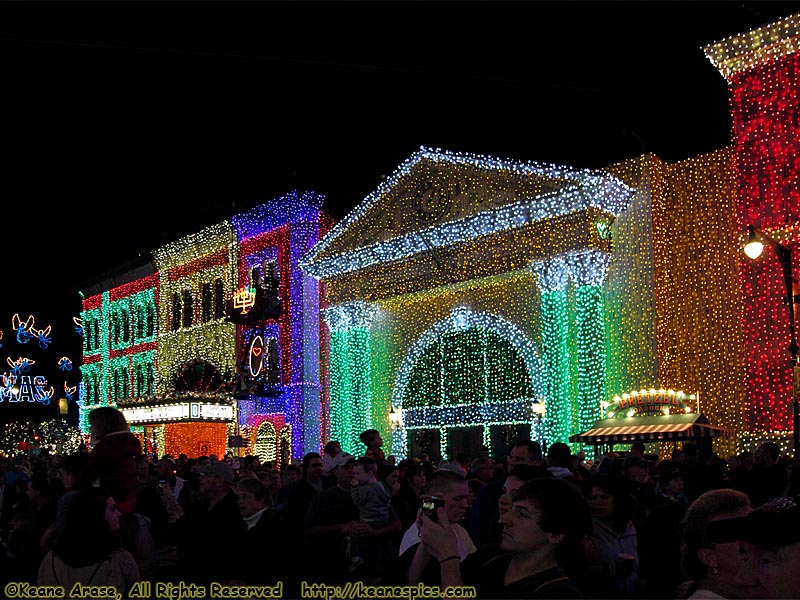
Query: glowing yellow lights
(395, 417)
(744, 51)
(244, 299)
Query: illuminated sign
(244, 299)
(652, 401)
(178, 411)
(256, 356)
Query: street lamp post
(753, 249)
(538, 408)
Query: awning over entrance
(662, 428)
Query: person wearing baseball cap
(769, 538)
(213, 529)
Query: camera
(162, 484)
(431, 505)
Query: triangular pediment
(438, 198)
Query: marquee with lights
(650, 402)
(177, 411)
(650, 415)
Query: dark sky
(129, 125)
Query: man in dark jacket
(262, 560)
(213, 532)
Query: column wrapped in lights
(553, 280)
(588, 269)
(350, 372)
(574, 352)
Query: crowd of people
(521, 525)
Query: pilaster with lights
(761, 68)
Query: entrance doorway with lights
(466, 377)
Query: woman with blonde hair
(711, 568)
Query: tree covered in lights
(23, 437)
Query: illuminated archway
(469, 370)
(266, 447)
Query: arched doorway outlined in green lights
(470, 370)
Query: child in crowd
(332, 448)
(372, 499)
(372, 439)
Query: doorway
(464, 439)
(425, 441)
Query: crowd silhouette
(519, 525)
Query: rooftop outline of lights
(198, 243)
(290, 208)
(590, 189)
(294, 207)
(743, 51)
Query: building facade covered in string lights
(469, 301)
(214, 343)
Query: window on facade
(255, 277)
(121, 383)
(144, 380)
(271, 276)
(120, 327)
(266, 446)
(139, 380)
(271, 363)
(208, 302)
(198, 376)
(219, 299)
(151, 320)
(115, 328)
(143, 320)
(92, 387)
(151, 380)
(125, 324)
(188, 308)
(176, 312)
(88, 335)
(138, 323)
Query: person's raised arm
(439, 539)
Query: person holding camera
(448, 491)
(540, 555)
(172, 484)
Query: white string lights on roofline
(584, 189)
(745, 51)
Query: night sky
(129, 125)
